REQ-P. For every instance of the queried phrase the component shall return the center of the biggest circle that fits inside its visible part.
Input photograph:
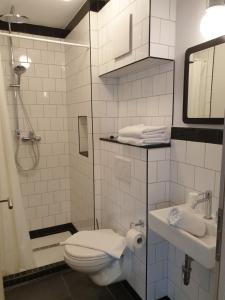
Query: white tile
(195, 153)
(152, 172)
(164, 170)
(178, 150)
(213, 157)
(204, 179)
(186, 175)
(156, 192)
(160, 8)
(155, 30)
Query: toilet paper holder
(140, 223)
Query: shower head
(19, 70)
(13, 17)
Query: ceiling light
(213, 22)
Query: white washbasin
(202, 250)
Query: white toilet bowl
(102, 268)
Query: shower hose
(32, 139)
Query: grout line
(66, 286)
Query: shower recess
(29, 137)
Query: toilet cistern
(207, 199)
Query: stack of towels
(141, 135)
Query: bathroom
(112, 155)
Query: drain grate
(46, 247)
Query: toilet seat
(102, 268)
(86, 260)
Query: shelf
(114, 140)
(145, 63)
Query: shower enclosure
(47, 83)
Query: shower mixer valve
(31, 137)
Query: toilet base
(111, 274)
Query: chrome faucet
(207, 199)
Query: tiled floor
(51, 255)
(67, 285)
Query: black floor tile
(67, 285)
(51, 288)
(119, 292)
(81, 287)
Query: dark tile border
(114, 140)
(52, 230)
(36, 29)
(164, 298)
(22, 277)
(93, 5)
(201, 135)
(97, 5)
(89, 5)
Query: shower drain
(46, 247)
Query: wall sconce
(213, 22)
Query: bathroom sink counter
(200, 249)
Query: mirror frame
(200, 47)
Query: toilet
(102, 268)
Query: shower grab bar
(9, 201)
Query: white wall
(46, 191)
(194, 167)
(79, 104)
(189, 15)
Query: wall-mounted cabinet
(130, 31)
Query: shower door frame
(220, 247)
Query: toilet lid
(84, 253)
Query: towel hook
(10, 204)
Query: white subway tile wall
(79, 104)
(124, 202)
(162, 28)
(194, 167)
(146, 97)
(46, 190)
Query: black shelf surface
(114, 140)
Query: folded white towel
(106, 241)
(140, 131)
(143, 142)
(187, 221)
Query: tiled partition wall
(124, 201)
(46, 190)
(79, 104)
(194, 167)
(105, 110)
(144, 96)
(158, 197)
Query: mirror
(204, 83)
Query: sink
(202, 250)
